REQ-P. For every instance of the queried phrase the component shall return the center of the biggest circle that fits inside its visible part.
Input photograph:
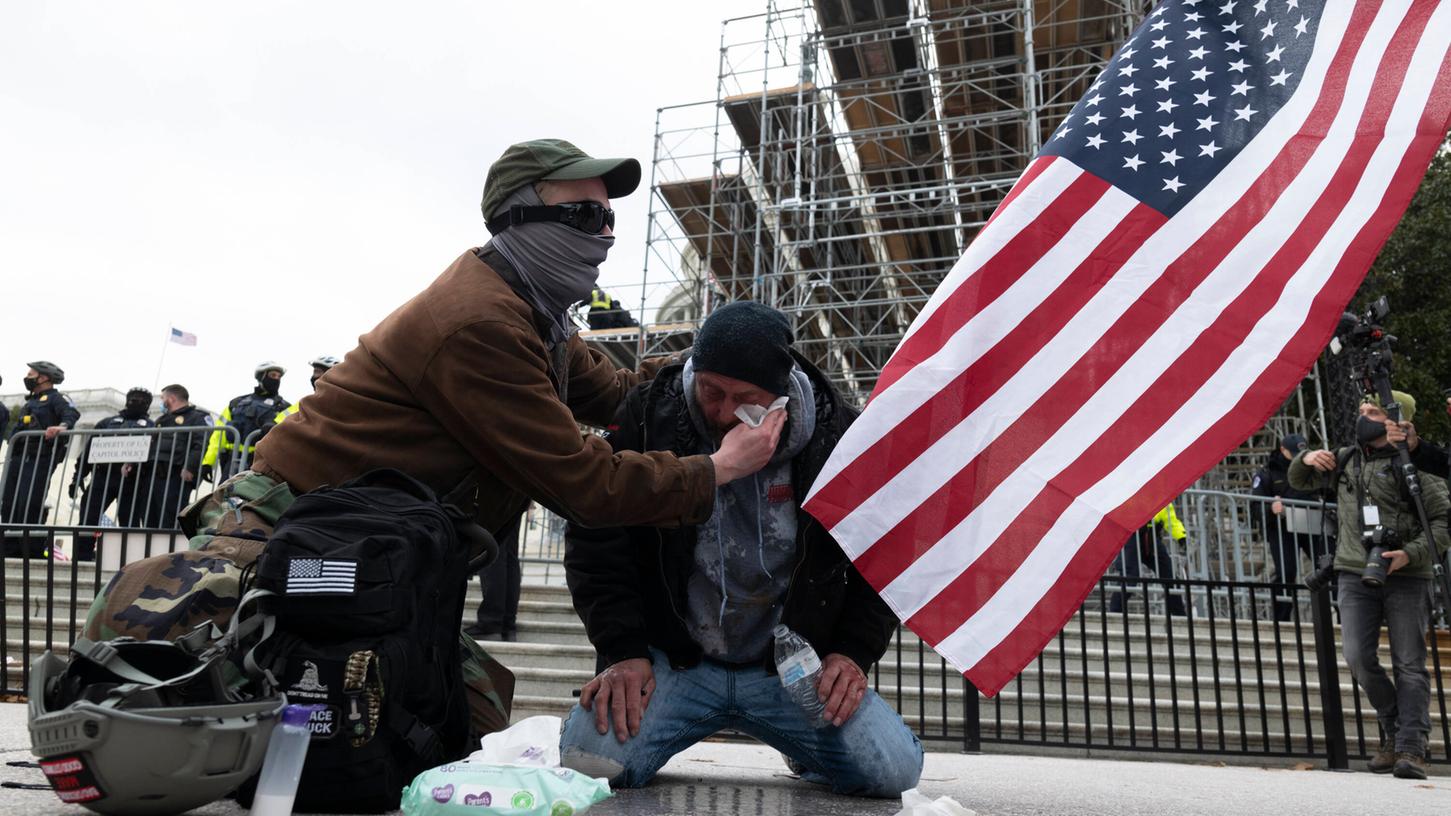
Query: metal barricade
(74, 479)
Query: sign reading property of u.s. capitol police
(115, 450)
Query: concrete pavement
(735, 778)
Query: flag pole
(159, 363)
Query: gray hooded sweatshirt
(745, 552)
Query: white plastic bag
(915, 804)
(533, 741)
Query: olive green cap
(554, 160)
(1408, 403)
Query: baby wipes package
(472, 789)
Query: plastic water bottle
(800, 669)
(281, 767)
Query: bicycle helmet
(51, 370)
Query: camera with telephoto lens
(1378, 542)
(1363, 331)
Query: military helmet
(137, 728)
(266, 366)
(325, 361)
(49, 369)
(142, 390)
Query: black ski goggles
(585, 216)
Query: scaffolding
(852, 151)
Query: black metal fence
(1228, 676)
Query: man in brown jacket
(478, 382)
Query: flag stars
(1133, 163)
(1128, 90)
(1280, 79)
(1163, 63)
(1269, 30)
(1171, 158)
(1209, 149)
(1168, 131)
(1130, 112)
(1094, 118)
(1238, 65)
(1128, 70)
(1233, 45)
(1241, 89)
(1228, 8)
(1291, 5)
(1162, 42)
(1172, 185)
(1159, 25)
(1234, 27)
(1262, 7)
(1198, 53)
(1195, 33)
(1193, 17)
(1093, 100)
(1095, 141)
(1207, 123)
(1132, 137)
(1168, 106)
(1204, 98)
(1275, 53)
(1243, 114)
(1165, 84)
(1127, 53)
(1203, 75)
(1302, 26)
(1062, 132)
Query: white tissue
(754, 415)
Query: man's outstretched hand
(745, 450)
(622, 692)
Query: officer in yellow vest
(1144, 541)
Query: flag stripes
(1089, 357)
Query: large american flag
(1153, 287)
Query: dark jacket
(1273, 481)
(458, 382)
(180, 450)
(44, 409)
(628, 583)
(1428, 457)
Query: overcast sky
(276, 177)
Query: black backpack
(367, 583)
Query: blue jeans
(872, 754)
(1403, 604)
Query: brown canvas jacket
(458, 380)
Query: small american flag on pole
(317, 576)
(182, 338)
(1161, 277)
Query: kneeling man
(682, 618)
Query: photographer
(1383, 562)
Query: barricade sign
(113, 450)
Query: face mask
(135, 409)
(270, 385)
(31, 383)
(1368, 430)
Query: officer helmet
(262, 368)
(326, 361)
(88, 717)
(51, 370)
(141, 390)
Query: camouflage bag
(165, 596)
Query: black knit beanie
(747, 341)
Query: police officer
(1272, 482)
(176, 458)
(248, 413)
(33, 458)
(320, 366)
(111, 482)
(4, 418)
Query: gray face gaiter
(558, 264)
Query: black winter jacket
(628, 584)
